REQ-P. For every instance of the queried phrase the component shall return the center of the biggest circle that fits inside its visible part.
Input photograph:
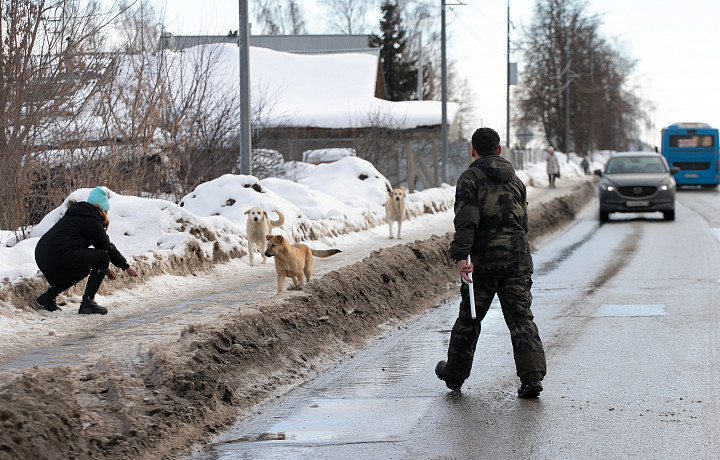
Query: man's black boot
(47, 300)
(89, 307)
(530, 389)
(454, 385)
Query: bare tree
(460, 90)
(138, 26)
(49, 66)
(131, 108)
(177, 116)
(348, 16)
(280, 17)
(378, 143)
(422, 18)
(573, 74)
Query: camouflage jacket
(491, 219)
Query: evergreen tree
(399, 70)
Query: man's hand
(132, 272)
(110, 274)
(464, 269)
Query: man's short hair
(485, 141)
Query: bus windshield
(689, 141)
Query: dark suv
(637, 182)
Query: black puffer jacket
(63, 253)
(491, 219)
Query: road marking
(631, 310)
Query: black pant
(515, 299)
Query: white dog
(257, 228)
(395, 210)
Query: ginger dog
(294, 261)
(395, 210)
(258, 226)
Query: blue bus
(692, 147)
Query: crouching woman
(65, 257)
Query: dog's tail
(324, 252)
(280, 221)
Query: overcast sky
(677, 46)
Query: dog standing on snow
(258, 227)
(395, 210)
(294, 261)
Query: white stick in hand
(472, 292)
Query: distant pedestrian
(491, 224)
(65, 257)
(553, 167)
(585, 165)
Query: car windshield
(635, 165)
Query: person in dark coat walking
(491, 224)
(65, 257)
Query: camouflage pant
(515, 299)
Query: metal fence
(521, 158)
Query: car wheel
(669, 215)
(604, 216)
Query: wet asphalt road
(629, 313)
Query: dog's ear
(248, 211)
(265, 213)
(267, 237)
(402, 189)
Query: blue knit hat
(99, 197)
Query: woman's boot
(47, 300)
(88, 305)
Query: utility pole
(592, 101)
(244, 50)
(420, 69)
(443, 126)
(567, 95)
(507, 135)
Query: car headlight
(668, 186)
(609, 188)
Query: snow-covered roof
(316, 44)
(299, 44)
(333, 91)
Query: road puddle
(340, 421)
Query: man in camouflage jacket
(491, 224)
